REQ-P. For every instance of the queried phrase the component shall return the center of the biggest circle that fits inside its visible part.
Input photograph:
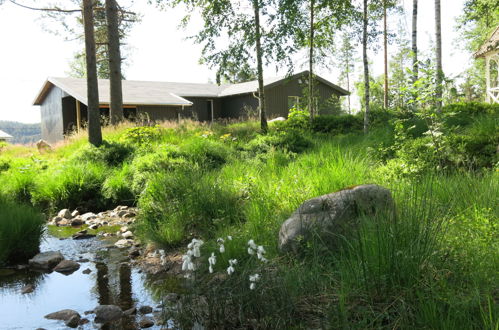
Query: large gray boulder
(46, 260)
(334, 215)
(107, 313)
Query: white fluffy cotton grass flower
(230, 269)
(212, 261)
(253, 279)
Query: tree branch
(56, 9)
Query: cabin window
(293, 102)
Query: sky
(29, 54)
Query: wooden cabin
(63, 100)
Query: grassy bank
(432, 265)
(21, 228)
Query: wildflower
(231, 269)
(251, 251)
(229, 238)
(260, 251)
(212, 261)
(252, 244)
(221, 242)
(253, 279)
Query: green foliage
(298, 118)
(337, 124)
(176, 204)
(4, 165)
(71, 185)
(117, 188)
(109, 152)
(291, 140)
(142, 136)
(21, 229)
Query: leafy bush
(21, 228)
(142, 136)
(110, 153)
(291, 140)
(337, 124)
(205, 152)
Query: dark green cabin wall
(277, 97)
(51, 116)
(238, 106)
(155, 112)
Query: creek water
(112, 280)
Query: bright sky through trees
(29, 54)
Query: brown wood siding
(277, 97)
(158, 113)
(238, 106)
(51, 116)
(199, 108)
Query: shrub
(291, 140)
(4, 165)
(337, 124)
(142, 136)
(21, 228)
(109, 153)
(205, 152)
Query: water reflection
(111, 281)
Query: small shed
(4, 136)
(490, 52)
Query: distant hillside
(22, 133)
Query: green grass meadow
(431, 265)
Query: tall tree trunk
(348, 85)
(366, 68)
(385, 44)
(414, 40)
(261, 91)
(94, 128)
(311, 64)
(113, 37)
(438, 48)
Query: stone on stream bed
(62, 315)
(64, 213)
(67, 267)
(28, 289)
(123, 243)
(46, 260)
(146, 322)
(107, 313)
(145, 309)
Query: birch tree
(438, 55)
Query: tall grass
(21, 228)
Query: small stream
(112, 280)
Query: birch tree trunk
(311, 64)
(385, 44)
(438, 48)
(414, 40)
(366, 68)
(113, 36)
(94, 128)
(261, 91)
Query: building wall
(278, 103)
(68, 114)
(158, 113)
(51, 116)
(238, 106)
(276, 99)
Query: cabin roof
(4, 135)
(163, 93)
(491, 44)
